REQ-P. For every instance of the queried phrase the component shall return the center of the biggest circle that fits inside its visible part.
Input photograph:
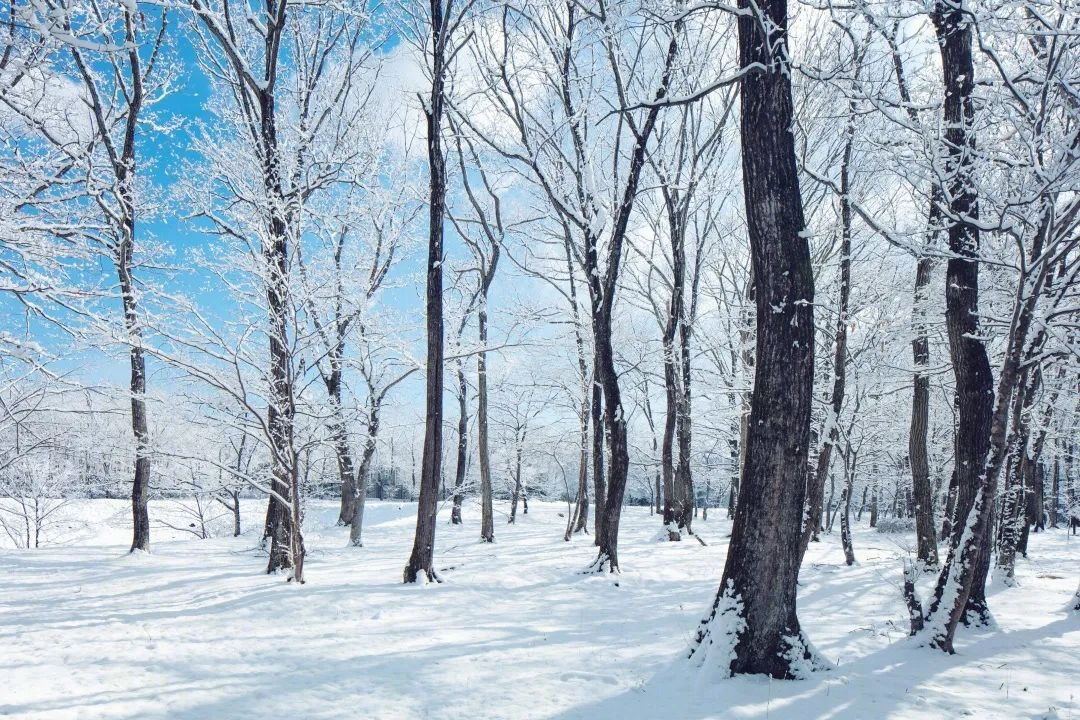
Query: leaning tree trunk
(421, 559)
(757, 591)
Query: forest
(659, 359)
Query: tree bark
(517, 484)
(356, 525)
(762, 567)
(602, 293)
(830, 433)
(920, 413)
(487, 521)
(599, 481)
(974, 381)
(421, 559)
(463, 443)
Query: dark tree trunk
(974, 381)
(762, 566)
(463, 443)
(123, 167)
(920, 413)
(579, 519)
(286, 544)
(421, 559)
(356, 525)
(950, 507)
(683, 428)
(341, 445)
(140, 486)
(845, 527)
(920, 350)
(830, 434)
(487, 512)
(1055, 490)
(517, 485)
(599, 481)
(236, 512)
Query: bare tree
(753, 627)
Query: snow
(196, 630)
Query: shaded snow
(196, 630)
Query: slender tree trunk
(830, 433)
(517, 486)
(758, 587)
(363, 476)
(676, 511)
(683, 428)
(845, 502)
(421, 559)
(1055, 490)
(950, 507)
(236, 512)
(140, 486)
(580, 515)
(487, 512)
(463, 443)
(599, 481)
(920, 413)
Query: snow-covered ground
(196, 630)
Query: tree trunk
(487, 512)
(950, 507)
(830, 433)
(421, 559)
(761, 572)
(140, 486)
(517, 486)
(236, 512)
(357, 525)
(683, 428)
(920, 413)
(599, 481)
(1055, 490)
(463, 443)
(579, 519)
(845, 502)
(284, 501)
(974, 381)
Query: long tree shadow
(873, 686)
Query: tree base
(413, 575)
(601, 565)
